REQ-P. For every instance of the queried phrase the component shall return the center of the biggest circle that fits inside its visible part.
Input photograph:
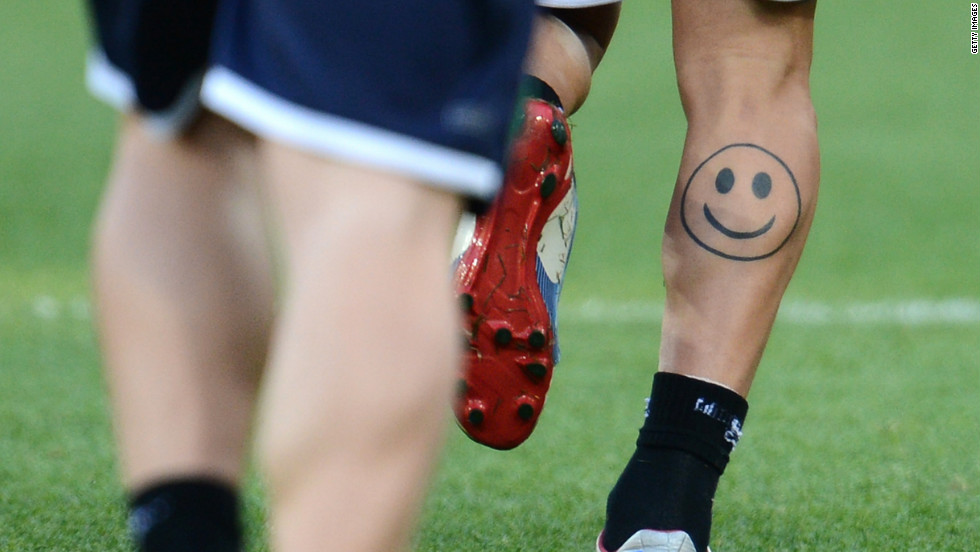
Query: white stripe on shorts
(107, 82)
(273, 117)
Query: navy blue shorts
(425, 88)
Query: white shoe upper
(648, 540)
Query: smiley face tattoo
(741, 203)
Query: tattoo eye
(725, 181)
(762, 185)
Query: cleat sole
(511, 347)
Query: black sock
(683, 448)
(186, 515)
(533, 87)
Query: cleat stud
(466, 301)
(537, 339)
(525, 412)
(503, 337)
(559, 132)
(548, 185)
(475, 416)
(537, 370)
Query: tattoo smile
(735, 234)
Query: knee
(734, 90)
(758, 69)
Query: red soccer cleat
(509, 279)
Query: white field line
(911, 312)
(46, 307)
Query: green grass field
(864, 432)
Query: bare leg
(184, 293)
(743, 69)
(363, 357)
(741, 210)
